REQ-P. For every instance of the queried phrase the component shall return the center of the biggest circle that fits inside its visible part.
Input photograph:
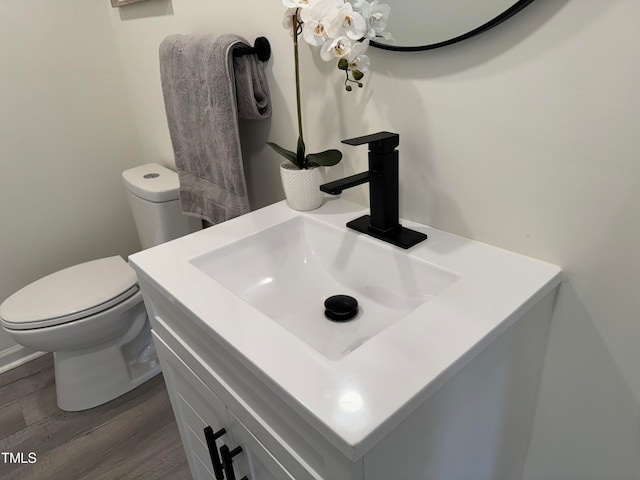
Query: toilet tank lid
(152, 182)
(74, 289)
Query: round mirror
(428, 24)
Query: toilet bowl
(91, 315)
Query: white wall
(526, 138)
(65, 135)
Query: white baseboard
(15, 356)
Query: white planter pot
(302, 187)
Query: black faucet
(383, 223)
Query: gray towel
(205, 90)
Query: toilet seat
(70, 294)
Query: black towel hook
(261, 48)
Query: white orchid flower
(357, 4)
(314, 33)
(336, 48)
(316, 18)
(342, 29)
(347, 22)
(356, 57)
(364, 8)
(378, 16)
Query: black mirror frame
(508, 13)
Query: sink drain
(340, 308)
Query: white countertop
(356, 400)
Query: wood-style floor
(132, 437)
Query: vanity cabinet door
(201, 416)
(254, 462)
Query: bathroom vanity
(435, 378)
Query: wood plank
(62, 427)
(37, 376)
(39, 405)
(11, 419)
(157, 456)
(98, 442)
(44, 362)
(133, 436)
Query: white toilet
(91, 315)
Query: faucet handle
(381, 142)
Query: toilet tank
(153, 195)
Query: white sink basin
(288, 270)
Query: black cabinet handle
(227, 460)
(211, 438)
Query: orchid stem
(297, 68)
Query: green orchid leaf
(301, 160)
(327, 158)
(288, 154)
